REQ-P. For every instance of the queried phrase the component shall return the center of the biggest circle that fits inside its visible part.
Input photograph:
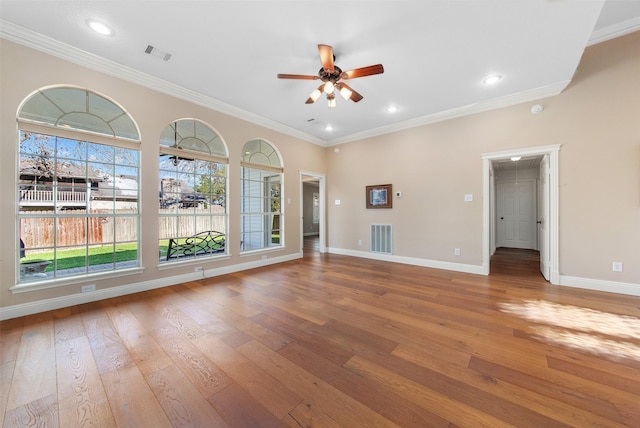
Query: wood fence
(182, 222)
(38, 232)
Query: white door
(516, 214)
(543, 216)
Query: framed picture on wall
(379, 196)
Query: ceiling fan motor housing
(328, 75)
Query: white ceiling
(226, 54)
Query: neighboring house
(126, 193)
(178, 193)
(73, 189)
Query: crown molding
(39, 42)
(484, 106)
(613, 31)
(20, 35)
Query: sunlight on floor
(581, 328)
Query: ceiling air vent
(153, 51)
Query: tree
(213, 186)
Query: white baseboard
(94, 296)
(556, 278)
(106, 293)
(601, 285)
(435, 264)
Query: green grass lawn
(68, 259)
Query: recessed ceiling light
(516, 158)
(328, 128)
(100, 27)
(492, 79)
(392, 109)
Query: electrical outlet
(456, 251)
(359, 241)
(616, 266)
(88, 288)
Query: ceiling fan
(332, 76)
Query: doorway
(312, 212)
(545, 230)
(516, 202)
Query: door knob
(501, 218)
(539, 221)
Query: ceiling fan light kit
(331, 75)
(331, 98)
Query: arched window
(77, 186)
(261, 196)
(192, 192)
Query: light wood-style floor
(334, 341)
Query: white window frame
(26, 277)
(75, 113)
(261, 166)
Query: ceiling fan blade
(319, 92)
(326, 57)
(297, 76)
(353, 96)
(364, 71)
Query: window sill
(262, 251)
(190, 261)
(62, 282)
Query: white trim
(568, 281)
(20, 35)
(31, 39)
(24, 309)
(554, 220)
(25, 287)
(493, 104)
(434, 264)
(601, 285)
(614, 31)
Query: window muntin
(193, 185)
(78, 207)
(261, 197)
(78, 109)
(78, 193)
(193, 135)
(260, 152)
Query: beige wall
(24, 70)
(597, 122)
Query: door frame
(488, 204)
(322, 226)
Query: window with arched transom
(78, 175)
(261, 220)
(192, 192)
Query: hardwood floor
(311, 244)
(335, 341)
